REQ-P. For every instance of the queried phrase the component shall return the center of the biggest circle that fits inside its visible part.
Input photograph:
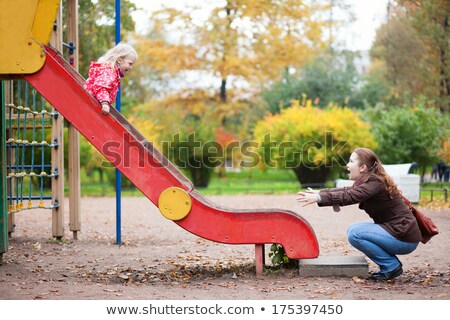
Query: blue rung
(30, 198)
(29, 145)
(35, 167)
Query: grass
(435, 195)
(247, 181)
(253, 182)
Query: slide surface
(151, 172)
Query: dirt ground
(159, 260)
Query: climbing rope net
(29, 144)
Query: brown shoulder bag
(426, 225)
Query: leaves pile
(171, 272)
(436, 204)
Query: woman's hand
(308, 196)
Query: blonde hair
(120, 51)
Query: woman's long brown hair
(375, 167)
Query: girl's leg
(378, 245)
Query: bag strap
(408, 203)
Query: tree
(191, 133)
(415, 45)
(329, 78)
(373, 89)
(246, 42)
(239, 48)
(312, 142)
(444, 153)
(97, 28)
(431, 19)
(397, 44)
(410, 133)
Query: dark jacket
(393, 215)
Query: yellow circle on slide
(174, 203)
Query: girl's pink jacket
(103, 82)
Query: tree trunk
(313, 177)
(223, 91)
(200, 176)
(223, 85)
(444, 90)
(445, 77)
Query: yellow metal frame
(174, 203)
(24, 26)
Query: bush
(412, 133)
(311, 141)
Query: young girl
(394, 231)
(105, 74)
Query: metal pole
(118, 173)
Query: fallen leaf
(359, 280)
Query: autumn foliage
(311, 141)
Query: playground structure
(147, 168)
(29, 121)
(31, 129)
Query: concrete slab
(334, 266)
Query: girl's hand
(105, 108)
(308, 197)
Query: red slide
(152, 173)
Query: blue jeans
(378, 244)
